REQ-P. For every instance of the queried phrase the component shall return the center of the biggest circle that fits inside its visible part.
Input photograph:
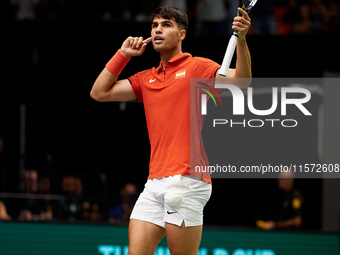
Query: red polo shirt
(166, 98)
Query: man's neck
(167, 55)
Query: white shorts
(172, 199)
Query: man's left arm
(243, 61)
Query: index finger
(147, 40)
(244, 14)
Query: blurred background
(66, 158)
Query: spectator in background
(290, 216)
(331, 22)
(120, 214)
(46, 204)
(31, 208)
(3, 212)
(318, 12)
(286, 15)
(89, 210)
(292, 16)
(72, 190)
(305, 24)
(75, 207)
(263, 18)
(25, 9)
(212, 15)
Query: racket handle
(228, 56)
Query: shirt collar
(175, 60)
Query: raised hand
(241, 24)
(134, 46)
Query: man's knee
(183, 240)
(144, 237)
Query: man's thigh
(144, 237)
(183, 240)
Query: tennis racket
(246, 5)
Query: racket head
(247, 5)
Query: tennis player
(172, 201)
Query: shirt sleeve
(207, 68)
(136, 86)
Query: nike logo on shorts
(170, 212)
(152, 80)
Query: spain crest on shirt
(180, 74)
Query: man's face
(165, 34)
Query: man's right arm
(106, 87)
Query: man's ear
(182, 34)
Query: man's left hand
(242, 24)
